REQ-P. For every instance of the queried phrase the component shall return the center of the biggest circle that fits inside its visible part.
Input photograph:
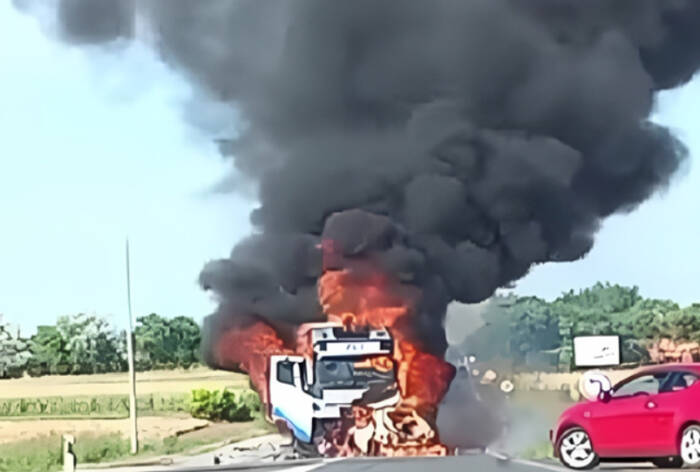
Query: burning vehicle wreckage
(344, 400)
(358, 382)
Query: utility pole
(130, 355)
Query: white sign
(596, 351)
(592, 383)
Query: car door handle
(651, 404)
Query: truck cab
(345, 368)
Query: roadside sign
(596, 351)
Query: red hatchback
(652, 415)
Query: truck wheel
(305, 450)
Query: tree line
(88, 344)
(525, 331)
(530, 330)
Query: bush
(252, 401)
(223, 405)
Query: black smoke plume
(491, 134)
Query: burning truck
(348, 369)
(358, 380)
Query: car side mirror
(605, 396)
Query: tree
(493, 338)
(679, 324)
(14, 352)
(78, 344)
(534, 327)
(166, 343)
(49, 352)
(612, 309)
(92, 345)
(187, 340)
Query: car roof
(693, 367)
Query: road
(480, 463)
(465, 463)
(257, 455)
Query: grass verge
(44, 454)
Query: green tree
(534, 327)
(14, 352)
(49, 352)
(493, 338)
(611, 309)
(78, 344)
(166, 343)
(92, 345)
(679, 324)
(186, 337)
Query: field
(96, 406)
(94, 409)
(158, 382)
(150, 427)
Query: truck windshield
(344, 372)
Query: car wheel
(671, 462)
(690, 445)
(576, 450)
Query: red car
(653, 415)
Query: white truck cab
(343, 371)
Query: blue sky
(94, 147)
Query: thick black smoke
(493, 134)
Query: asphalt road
(254, 455)
(442, 464)
(466, 463)
(472, 462)
(480, 463)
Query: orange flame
(368, 298)
(359, 298)
(247, 347)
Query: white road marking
(310, 467)
(539, 464)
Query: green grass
(44, 454)
(41, 455)
(542, 450)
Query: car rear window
(678, 380)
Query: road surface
(476, 463)
(257, 455)
(466, 463)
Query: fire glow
(360, 298)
